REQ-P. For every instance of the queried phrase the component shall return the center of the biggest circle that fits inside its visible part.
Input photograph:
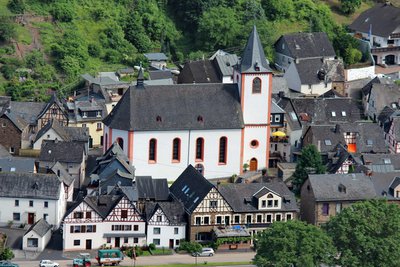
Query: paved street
(159, 260)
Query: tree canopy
(349, 6)
(309, 162)
(367, 234)
(293, 243)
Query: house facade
(104, 221)
(30, 197)
(325, 195)
(53, 110)
(206, 128)
(380, 26)
(37, 236)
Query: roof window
(328, 142)
(333, 114)
(387, 161)
(344, 113)
(369, 142)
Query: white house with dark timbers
(215, 127)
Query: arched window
(176, 149)
(222, 150)
(120, 142)
(153, 150)
(199, 168)
(199, 148)
(256, 85)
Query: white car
(205, 252)
(48, 263)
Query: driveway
(14, 237)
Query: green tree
(7, 29)
(349, 6)
(218, 27)
(352, 56)
(278, 9)
(6, 254)
(294, 243)
(63, 11)
(16, 6)
(367, 234)
(309, 162)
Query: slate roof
(235, 195)
(61, 151)
(308, 70)
(253, 55)
(103, 204)
(379, 159)
(4, 153)
(18, 164)
(156, 56)
(64, 176)
(291, 116)
(149, 188)
(385, 19)
(41, 227)
(66, 133)
(28, 111)
(18, 121)
(53, 100)
(190, 188)
(179, 107)
(384, 95)
(382, 183)
(113, 150)
(357, 187)
(173, 210)
(338, 159)
(29, 185)
(306, 45)
(200, 71)
(319, 110)
(366, 89)
(160, 74)
(225, 63)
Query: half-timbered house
(53, 110)
(166, 223)
(105, 221)
(203, 204)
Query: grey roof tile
(383, 20)
(326, 187)
(41, 227)
(179, 106)
(253, 57)
(61, 151)
(17, 164)
(29, 185)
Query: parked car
(205, 252)
(48, 263)
(8, 264)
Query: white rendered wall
(256, 105)
(54, 211)
(166, 233)
(49, 135)
(360, 73)
(42, 241)
(121, 134)
(260, 152)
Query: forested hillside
(46, 44)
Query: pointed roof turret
(140, 79)
(253, 58)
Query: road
(160, 260)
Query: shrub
(16, 6)
(63, 12)
(6, 254)
(190, 247)
(152, 246)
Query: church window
(176, 150)
(254, 144)
(120, 142)
(199, 149)
(256, 86)
(153, 150)
(222, 150)
(199, 168)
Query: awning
(279, 134)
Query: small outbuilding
(37, 237)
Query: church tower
(254, 78)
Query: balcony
(276, 139)
(385, 49)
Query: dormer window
(256, 66)
(342, 188)
(98, 113)
(200, 118)
(84, 114)
(158, 119)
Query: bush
(94, 50)
(190, 247)
(6, 254)
(16, 6)
(152, 246)
(63, 12)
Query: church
(220, 129)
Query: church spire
(253, 58)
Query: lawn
(23, 35)
(340, 18)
